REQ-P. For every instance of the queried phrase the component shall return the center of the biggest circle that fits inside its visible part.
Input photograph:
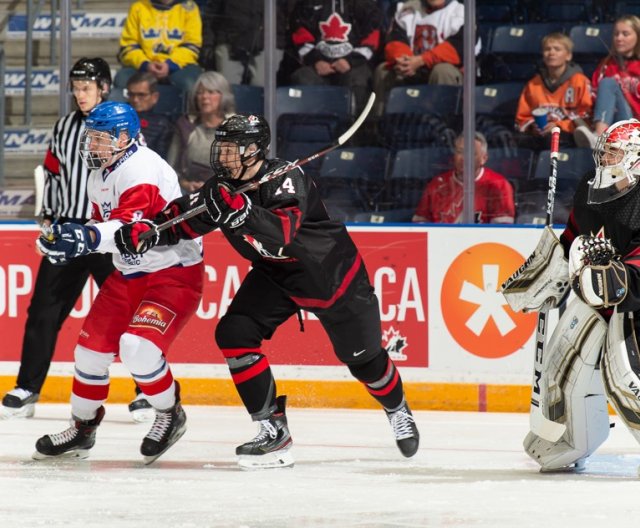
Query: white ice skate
(141, 410)
(18, 403)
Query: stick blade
(38, 178)
(358, 123)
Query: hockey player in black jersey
(593, 353)
(301, 259)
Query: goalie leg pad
(620, 371)
(571, 390)
(544, 276)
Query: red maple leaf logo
(335, 29)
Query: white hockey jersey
(139, 185)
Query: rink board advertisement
(396, 262)
(444, 320)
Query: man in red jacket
(441, 201)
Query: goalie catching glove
(542, 279)
(596, 273)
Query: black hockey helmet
(243, 130)
(95, 69)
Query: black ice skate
(18, 403)
(404, 429)
(167, 429)
(270, 448)
(73, 442)
(141, 410)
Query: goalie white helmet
(617, 157)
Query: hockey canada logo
(153, 315)
(394, 343)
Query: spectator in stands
(424, 45)
(563, 91)
(336, 41)
(162, 37)
(210, 102)
(615, 80)
(441, 201)
(233, 40)
(157, 129)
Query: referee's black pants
(55, 293)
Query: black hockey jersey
(290, 236)
(619, 221)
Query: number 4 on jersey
(287, 186)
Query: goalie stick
(346, 136)
(538, 422)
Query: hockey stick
(38, 177)
(275, 173)
(538, 422)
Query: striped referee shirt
(65, 189)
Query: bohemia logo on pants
(475, 311)
(153, 315)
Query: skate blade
(143, 415)
(10, 413)
(577, 467)
(76, 453)
(277, 459)
(150, 459)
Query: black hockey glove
(128, 241)
(224, 207)
(61, 242)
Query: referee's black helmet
(95, 69)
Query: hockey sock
(382, 380)
(253, 379)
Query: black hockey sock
(382, 380)
(254, 382)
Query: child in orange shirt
(563, 91)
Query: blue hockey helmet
(114, 117)
(98, 149)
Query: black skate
(167, 429)
(18, 403)
(73, 442)
(404, 429)
(270, 448)
(141, 410)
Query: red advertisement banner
(396, 262)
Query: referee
(59, 284)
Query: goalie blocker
(542, 279)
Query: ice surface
(470, 472)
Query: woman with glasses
(210, 102)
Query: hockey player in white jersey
(141, 307)
(592, 355)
